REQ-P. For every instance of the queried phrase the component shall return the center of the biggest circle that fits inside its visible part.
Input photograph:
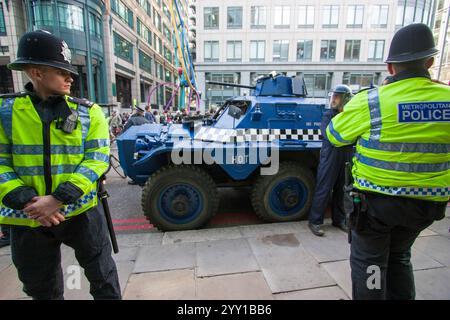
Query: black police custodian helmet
(43, 48)
(412, 42)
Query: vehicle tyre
(179, 198)
(285, 196)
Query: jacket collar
(413, 73)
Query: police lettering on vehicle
(424, 112)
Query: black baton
(103, 195)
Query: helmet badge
(65, 52)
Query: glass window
(125, 14)
(304, 50)
(379, 16)
(257, 50)
(317, 84)
(157, 43)
(234, 50)
(122, 48)
(166, 10)
(157, 20)
(409, 11)
(360, 80)
(160, 46)
(212, 51)
(376, 50)
(282, 17)
(328, 50)
(43, 14)
(148, 9)
(95, 25)
(2, 21)
(167, 75)
(330, 16)
(144, 32)
(352, 49)
(216, 94)
(145, 62)
(211, 17)
(258, 17)
(167, 54)
(280, 50)
(355, 16)
(306, 16)
(234, 17)
(167, 33)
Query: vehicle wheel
(179, 198)
(285, 196)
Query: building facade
(121, 47)
(441, 67)
(328, 42)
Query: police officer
(54, 148)
(401, 166)
(330, 174)
(136, 119)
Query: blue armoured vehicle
(269, 140)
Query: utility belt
(355, 205)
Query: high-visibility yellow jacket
(39, 155)
(402, 132)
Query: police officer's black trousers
(392, 226)
(330, 182)
(36, 253)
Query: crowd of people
(120, 122)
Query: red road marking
(138, 227)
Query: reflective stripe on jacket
(26, 159)
(402, 132)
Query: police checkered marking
(19, 214)
(259, 135)
(405, 191)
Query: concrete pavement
(264, 261)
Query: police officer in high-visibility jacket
(53, 149)
(401, 165)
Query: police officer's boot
(316, 230)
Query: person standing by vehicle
(330, 173)
(401, 169)
(54, 149)
(136, 119)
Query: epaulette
(82, 101)
(366, 89)
(13, 95)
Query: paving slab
(167, 257)
(427, 232)
(433, 284)
(126, 254)
(324, 293)
(224, 257)
(333, 246)
(341, 273)
(5, 262)
(442, 227)
(260, 230)
(166, 285)
(437, 247)
(421, 261)
(201, 235)
(140, 239)
(5, 251)
(243, 286)
(125, 270)
(286, 265)
(10, 285)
